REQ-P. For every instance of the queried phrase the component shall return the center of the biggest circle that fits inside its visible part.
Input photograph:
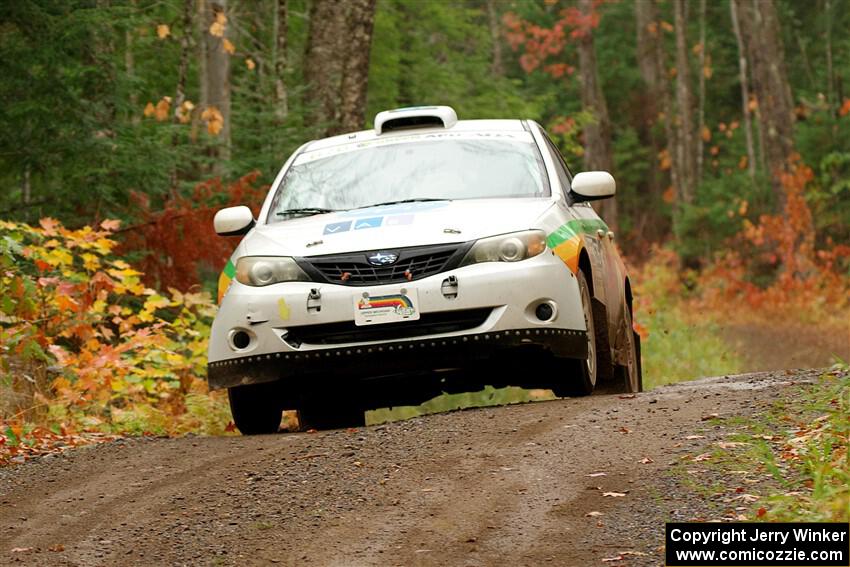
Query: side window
(560, 167)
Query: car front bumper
(293, 334)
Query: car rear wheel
(578, 377)
(629, 375)
(255, 408)
(330, 414)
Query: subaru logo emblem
(382, 258)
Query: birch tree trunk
(597, 135)
(745, 90)
(355, 77)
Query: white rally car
(424, 244)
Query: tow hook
(449, 287)
(314, 301)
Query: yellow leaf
(150, 110)
(706, 134)
(753, 104)
(664, 161)
(228, 46)
(90, 262)
(667, 26)
(250, 64)
(220, 18)
(163, 31)
(707, 72)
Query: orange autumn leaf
(228, 46)
(664, 161)
(163, 31)
(218, 26)
(845, 108)
(250, 64)
(150, 110)
(215, 121)
(669, 196)
(162, 108)
(743, 162)
(706, 134)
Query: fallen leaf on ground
(614, 494)
(610, 559)
(56, 548)
(593, 514)
(646, 461)
(21, 549)
(730, 444)
(692, 437)
(593, 475)
(627, 397)
(761, 512)
(625, 430)
(710, 416)
(701, 458)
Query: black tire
(330, 414)
(629, 377)
(579, 377)
(256, 408)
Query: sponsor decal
(373, 222)
(225, 279)
(337, 227)
(398, 220)
(398, 304)
(566, 240)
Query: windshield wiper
(417, 200)
(305, 211)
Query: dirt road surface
(516, 485)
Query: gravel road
(515, 485)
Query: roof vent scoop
(415, 117)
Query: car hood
(395, 226)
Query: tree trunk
(281, 29)
(686, 146)
(745, 90)
(497, 66)
(597, 135)
(217, 83)
(759, 24)
(655, 103)
(355, 78)
(323, 63)
(701, 96)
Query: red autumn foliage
(178, 242)
(540, 43)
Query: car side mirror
(234, 221)
(593, 185)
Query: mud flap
(639, 361)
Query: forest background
(125, 124)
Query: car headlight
(511, 247)
(267, 270)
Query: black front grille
(412, 264)
(427, 324)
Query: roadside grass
(790, 462)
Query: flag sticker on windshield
(336, 227)
(373, 222)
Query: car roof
(491, 125)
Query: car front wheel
(255, 408)
(578, 377)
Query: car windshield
(468, 166)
